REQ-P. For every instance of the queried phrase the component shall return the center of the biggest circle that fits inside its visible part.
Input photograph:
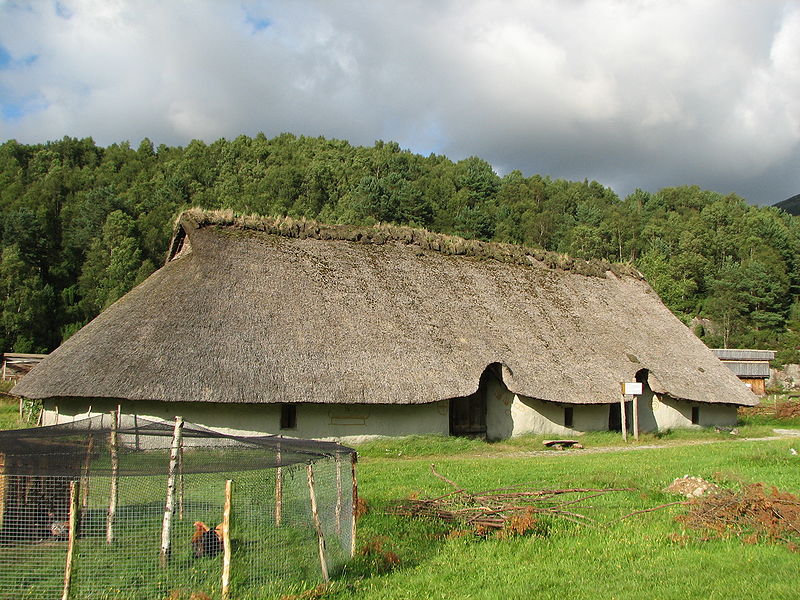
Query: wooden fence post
(278, 489)
(338, 494)
(73, 530)
(112, 502)
(226, 542)
(353, 461)
(169, 507)
(317, 525)
(636, 417)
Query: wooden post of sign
(56, 417)
(636, 417)
(338, 494)
(226, 542)
(112, 501)
(353, 461)
(317, 525)
(169, 507)
(73, 530)
(623, 418)
(278, 488)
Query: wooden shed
(751, 366)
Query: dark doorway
(614, 417)
(468, 413)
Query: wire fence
(128, 523)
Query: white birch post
(226, 542)
(169, 507)
(623, 418)
(636, 417)
(112, 502)
(278, 489)
(353, 461)
(73, 530)
(338, 494)
(317, 525)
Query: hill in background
(790, 205)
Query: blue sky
(632, 93)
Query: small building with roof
(751, 366)
(280, 326)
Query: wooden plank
(317, 525)
(226, 542)
(73, 529)
(169, 506)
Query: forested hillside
(82, 224)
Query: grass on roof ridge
(385, 233)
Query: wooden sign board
(632, 389)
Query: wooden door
(468, 415)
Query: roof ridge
(383, 233)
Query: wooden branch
(317, 525)
(647, 510)
(445, 479)
(72, 531)
(169, 507)
(226, 542)
(112, 502)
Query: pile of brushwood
(781, 409)
(751, 514)
(504, 512)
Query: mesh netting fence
(130, 508)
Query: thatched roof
(266, 310)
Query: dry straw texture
(277, 310)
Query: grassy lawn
(649, 555)
(644, 556)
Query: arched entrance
(468, 413)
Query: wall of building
(507, 415)
(348, 423)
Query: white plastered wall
(670, 413)
(511, 415)
(350, 423)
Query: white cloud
(638, 93)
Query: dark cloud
(632, 93)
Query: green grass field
(645, 556)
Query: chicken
(206, 541)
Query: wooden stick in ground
(112, 501)
(317, 525)
(181, 488)
(85, 470)
(169, 507)
(353, 461)
(73, 530)
(278, 488)
(636, 417)
(338, 494)
(226, 542)
(623, 418)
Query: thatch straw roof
(260, 310)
